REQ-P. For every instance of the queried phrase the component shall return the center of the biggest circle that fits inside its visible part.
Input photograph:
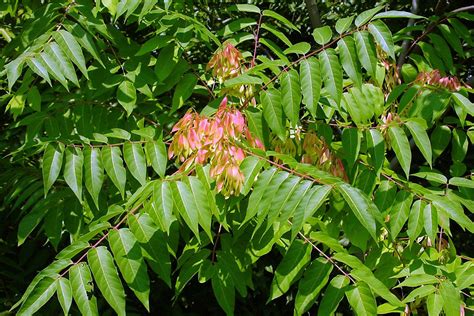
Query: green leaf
(93, 172)
(85, 40)
(298, 48)
(332, 73)
(34, 99)
(313, 281)
(162, 205)
(38, 67)
(419, 292)
(223, 289)
(462, 182)
(415, 220)
(154, 245)
(362, 300)
(244, 8)
(397, 14)
(274, 30)
(291, 95)
(451, 37)
(14, 69)
(65, 66)
(366, 51)
(135, 160)
(430, 218)
(201, 200)
(452, 301)
(64, 292)
(401, 147)
(416, 280)
(52, 163)
(310, 204)
(453, 210)
(113, 163)
(349, 60)
(258, 192)
(361, 206)
(273, 111)
(351, 140)
(186, 206)
(242, 80)
(156, 153)
(434, 304)
(422, 141)
(250, 167)
(322, 35)
(183, 90)
(127, 96)
(73, 170)
(40, 295)
(310, 74)
(376, 148)
(459, 145)
(129, 259)
(81, 283)
(443, 50)
(399, 212)
(290, 268)
(440, 138)
(107, 278)
(284, 21)
(365, 16)
(333, 295)
(383, 36)
(343, 24)
(53, 66)
(73, 50)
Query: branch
(313, 13)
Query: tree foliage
(147, 154)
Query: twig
(214, 248)
(256, 37)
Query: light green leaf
(399, 212)
(243, 80)
(365, 16)
(383, 36)
(135, 160)
(462, 182)
(81, 283)
(113, 163)
(73, 170)
(434, 303)
(66, 67)
(343, 24)
(332, 73)
(351, 140)
(71, 47)
(452, 301)
(362, 300)
(64, 292)
(244, 8)
(250, 167)
(201, 200)
(93, 172)
(127, 96)
(310, 74)
(419, 292)
(333, 295)
(291, 95)
(322, 35)
(14, 69)
(361, 206)
(310, 204)
(401, 147)
(416, 280)
(313, 281)
(129, 259)
(415, 220)
(157, 156)
(107, 278)
(85, 40)
(52, 163)
(39, 68)
(162, 205)
(440, 138)
(430, 218)
(258, 192)
(224, 291)
(186, 206)
(349, 60)
(53, 66)
(40, 295)
(290, 268)
(273, 111)
(422, 141)
(453, 210)
(397, 14)
(298, 48)
(366, 52)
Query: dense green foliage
(152, 163)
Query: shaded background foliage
(20, 264)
